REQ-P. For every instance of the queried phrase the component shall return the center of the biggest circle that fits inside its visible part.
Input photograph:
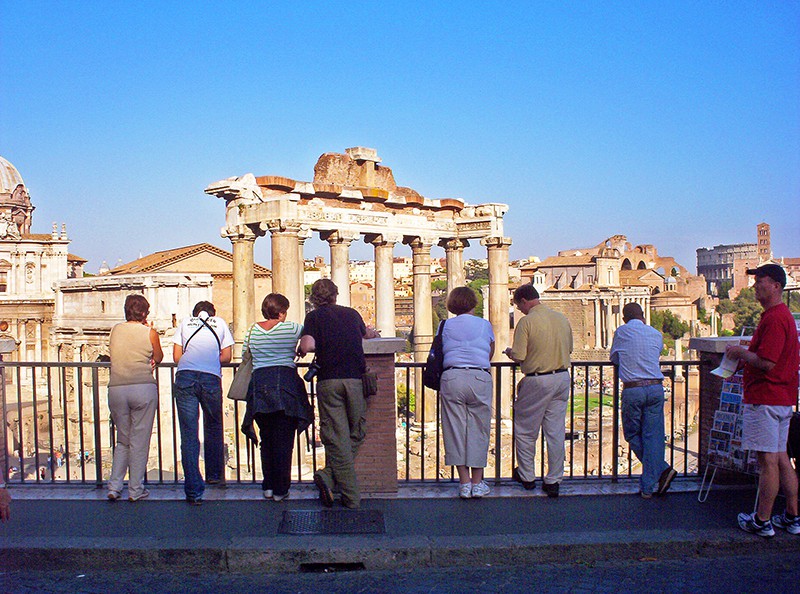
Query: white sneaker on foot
(481, 489)
(267, 493)
(465, 490)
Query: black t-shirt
(337, 333)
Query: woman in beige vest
(132, 396)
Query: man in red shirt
(770, 391)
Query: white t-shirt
(202, 353)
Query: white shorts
(765, 428)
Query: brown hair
(205, 306)
(527, 292)
(461, 300)
(273, 306)
(323, 292)
(136, 308)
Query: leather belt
(535, 373)
(641, 383)
(474, 368)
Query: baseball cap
(774, 271)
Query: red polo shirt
(775, 340)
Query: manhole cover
(328, 521)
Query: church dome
(9, 177)
(15, 202)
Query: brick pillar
(710, 351)
(376, 463)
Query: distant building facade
(30, 264)
(726, 263)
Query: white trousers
(133, 409)
(541, 403)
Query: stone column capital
(339, 237)
(496, 242)
(419, 242)
(284, 226)
(239, 234)
(379, 239)
(452, 243)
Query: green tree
(746, 310)
(724, 288)
(438, 285)
(668, 323)
(476, 285)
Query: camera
(313, 368)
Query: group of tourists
(278, 405)
(277, 400)
(542, 347)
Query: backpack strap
(207, 325)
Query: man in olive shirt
(542, 346)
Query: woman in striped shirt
(277, 399)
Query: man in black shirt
(334, 333)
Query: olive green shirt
(542, 341)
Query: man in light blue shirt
(636, 350)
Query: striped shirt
(275, 346)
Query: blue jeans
(643, 426)
(194, 390)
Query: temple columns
(454, 253)
(598, 330)
(301, 294)
(497, 248)
(340, 263)
(384, 284)
(243, 243)
(285, 264)
(423, 312)
(609, 314)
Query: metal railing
(59, 429)
(595, 446)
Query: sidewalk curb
(276, 555)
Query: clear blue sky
(675, 123)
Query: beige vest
(131, 352)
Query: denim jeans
(643, 426)
(194, 390)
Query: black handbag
(434, 366)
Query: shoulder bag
(241, 379)
(434, 366)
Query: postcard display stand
(725, 442)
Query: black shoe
(527, 485)
(551, 489)
(218, 483)
(194, 500)
(325, 493)
(665, 480)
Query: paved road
(764, 573)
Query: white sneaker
(281, 497)
(465, 490)
(481, 489)
(267, 493)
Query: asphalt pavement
(237, 531)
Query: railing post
(615, 430)
(98, 443)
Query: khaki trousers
(342, 428)
(541, 403)
(133, 409)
